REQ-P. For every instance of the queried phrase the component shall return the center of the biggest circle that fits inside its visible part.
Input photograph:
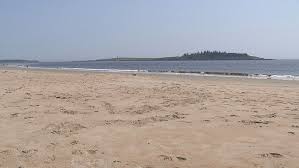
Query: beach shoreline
(163, 73)
(64, 118)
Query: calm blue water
(271, 67)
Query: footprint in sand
(27, 152)
(92, 151)
(70, 112)
(14, 115)
(233, 115)
(273, 115)
(65, 128)
(74, 142)
(77, 152)
(109, 108)
(251, 122)
(165, 157)
(144, 121)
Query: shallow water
(269, 67)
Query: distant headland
(17, 61)
(200, 56)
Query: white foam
(101, 70)
(284, 77)
(86, 69)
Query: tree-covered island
(205, 55)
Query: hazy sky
(51, 30)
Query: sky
(62, 30)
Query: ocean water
(274, 68)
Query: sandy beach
(83, 119)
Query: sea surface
(275, 68)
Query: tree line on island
(204, 55)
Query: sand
(84, 119)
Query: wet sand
(85, 119)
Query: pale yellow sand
(80, 119)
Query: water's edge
(189, 73)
